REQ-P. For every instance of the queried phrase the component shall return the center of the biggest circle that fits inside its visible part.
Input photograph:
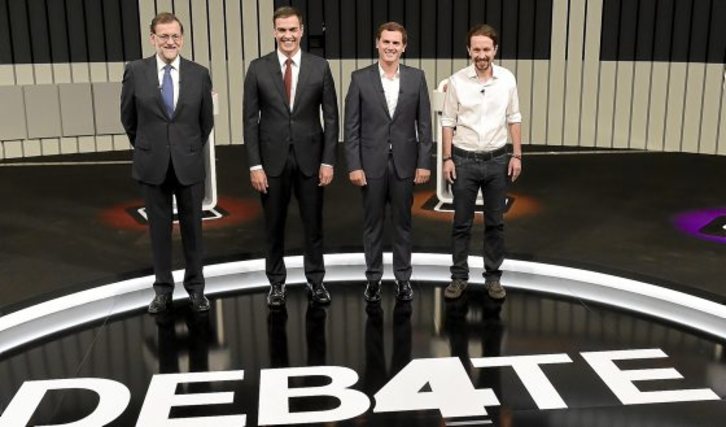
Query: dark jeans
(471, 175)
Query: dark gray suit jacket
(156, 137)
(269, 125)
(369, 128)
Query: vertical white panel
(721, 141)
(61, 73)
(24, 74)
(251, 32)
(573, 82)
(165, 6)
(235, 70)
(524, 88)
(181, 10)
(590, 74)
(444, 69)
(540, 102)
(696, 72)
(711, 101)
(104, 143)
(120, 142)
(555, 111)
(218, 68)
(657, 111)
(115, 71)
(429, 68)
(347, 66)
(606, 104)
(7, 75)
(264, 26)
(31, 148)
(68, 145)
(80, 73)
(623, 103)
(199, 35)
(674, 108)
(86, 144)
(335, 70)
(43, 74)
(12, 149)
(50, 146)
(146, 14)
(641, 94)
(98, 72)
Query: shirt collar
(471, 72)
(160, 64)
(383, 73)
(295, 58)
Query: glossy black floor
(379, 341)
(66, 227)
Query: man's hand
(515, 168)
(449, 171)
(422, 176)
(258, 178)
(325, 175)
(358, 177)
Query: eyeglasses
(165, 37)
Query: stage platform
(615, 311)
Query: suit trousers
(310, 202)
(159, 209)
(491, 177)
(398, 194)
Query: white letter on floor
(451, 390)
(161, 397)
(621, 382)
(113, 397)
(275, 395)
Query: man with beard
(481, 104)
(288, 149)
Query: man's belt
(478, 155)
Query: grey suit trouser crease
(159, 210)
(397, 193)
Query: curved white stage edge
(41, 320)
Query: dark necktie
(167, 91)
(287, 79)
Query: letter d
(113, 399)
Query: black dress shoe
(373, 291)
(160, 304)
(404, 291)
(276, 295)
(318, 294)
(199, 302)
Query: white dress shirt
(160, 64)
(391, 87)
(480, 112)
(295, 71)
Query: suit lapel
(301, 78)
(273, 66)
(153, 75)
(183, 84)
(378, 88)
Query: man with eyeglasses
(166, 110)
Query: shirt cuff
(326, 165)
(448, 123)
(514, 118)
(256, 168)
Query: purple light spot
(703, 224)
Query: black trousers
(491, 177)
(159, 209)
(274, 204)
(398, 194)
